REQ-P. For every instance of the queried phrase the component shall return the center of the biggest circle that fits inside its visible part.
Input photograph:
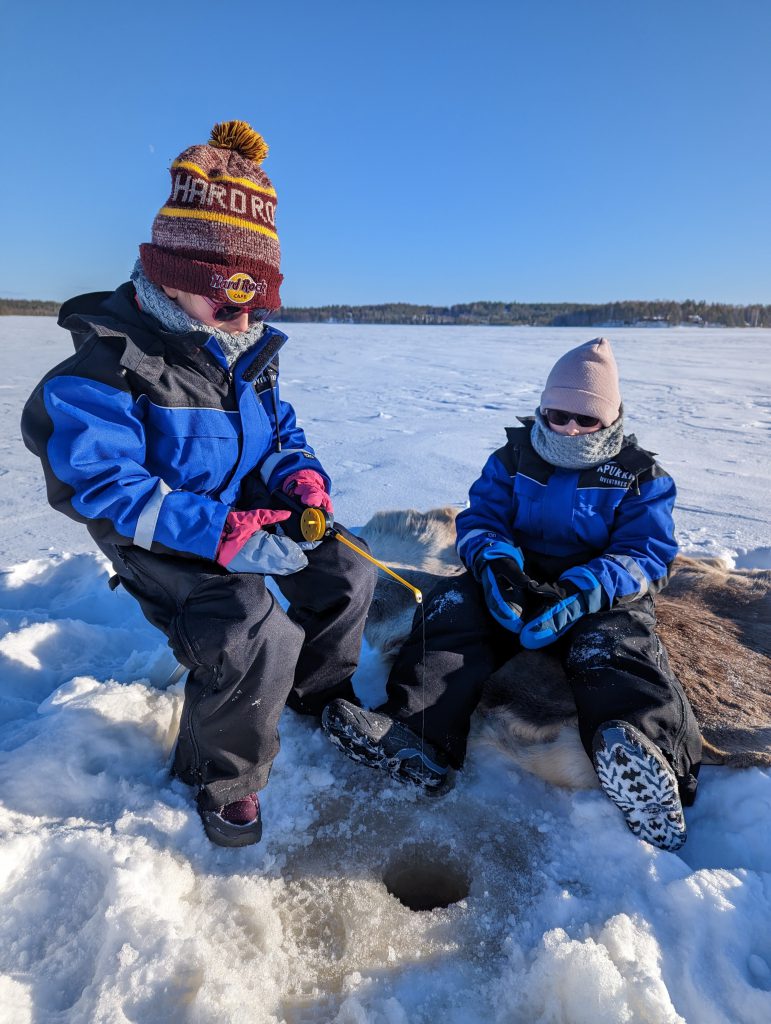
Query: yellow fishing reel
(307, 522)
(313, 524)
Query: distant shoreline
(611, 315)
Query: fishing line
(423, 688)
(392, 577)
(314, 525)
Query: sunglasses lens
(557, 417)
(227, 312)
(560, 418)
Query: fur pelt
(714, 621)
(420, 546)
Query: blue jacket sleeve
(94, 463)
(642, 543)
(295, 453)
(490, 513)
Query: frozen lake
(115, 906)
(404, 417)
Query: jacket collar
(116, 314)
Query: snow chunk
(444, 601)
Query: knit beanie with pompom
(216, 233)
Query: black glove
(506, 587)
(575, 594)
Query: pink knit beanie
(585, 381)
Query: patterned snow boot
(382, 742)
(640, 782)
(236, 824)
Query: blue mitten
(576, 593)
(498, 567)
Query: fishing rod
(310, 523)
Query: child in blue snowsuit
(568, 535)
(166, 436)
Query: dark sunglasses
(224, 311)
(560, 418)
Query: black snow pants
(614, 662)
(247, 658)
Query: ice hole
(425, 878)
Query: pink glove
(240, 526)
(308, 486)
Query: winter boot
(640, 782)
(382, 742)
(236, 824)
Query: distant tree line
(540, 314)
(28, 307)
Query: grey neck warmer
(579, 451)
(174, 319)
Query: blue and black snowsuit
(149, 439)
(614, 518)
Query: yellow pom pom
(241, 137)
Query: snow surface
(116, 908)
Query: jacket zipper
(272, 377)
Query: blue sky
(422, 151)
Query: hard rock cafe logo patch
(239, 288)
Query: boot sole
(409, 764)
(639, 781)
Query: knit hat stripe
(196, 192)
(221, 218)
(189, 166)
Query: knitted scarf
(173, 318)
(581, 450)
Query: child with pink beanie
(568, 535)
